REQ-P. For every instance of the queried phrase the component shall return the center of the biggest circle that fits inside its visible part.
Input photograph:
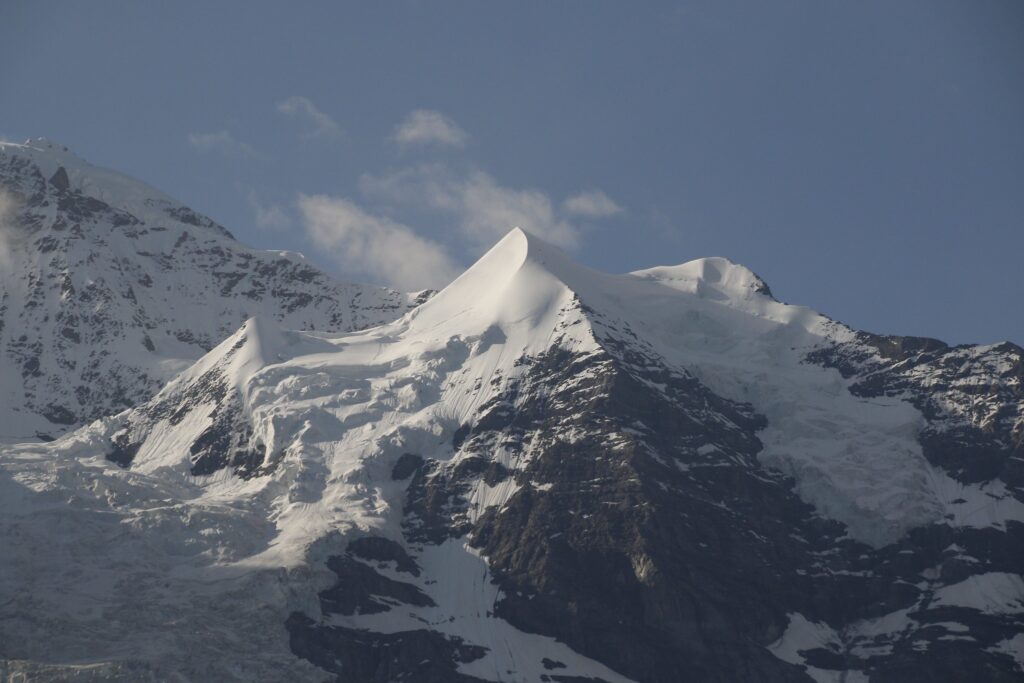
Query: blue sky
(867, 159)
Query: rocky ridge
(543, 473)
(109, 288)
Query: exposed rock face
(60, 180)
(644, 532)
(971, 396)
(633, 548)
(358, 656)
(111, 288)
(545, 473)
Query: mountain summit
(110, 288)
(542, 473)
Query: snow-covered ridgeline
(278, 447)
(109, 288)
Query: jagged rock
(133, 264)
(60, 179)
(542, 473)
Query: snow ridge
(110, 288)
(235, 487)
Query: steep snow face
(237, 494)
(857, 461)
(332, 414)
(108, 288)
(278, 447)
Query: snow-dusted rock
(543, 473)
(109, 288)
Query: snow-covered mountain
(543, 473)
(109, 288)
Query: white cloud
(484, 209)
(303, 108)
(591, 204)
(221, 141)
(375, 246)
(427, 127)
(270, 217)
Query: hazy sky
(865, 158)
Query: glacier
(657, 431)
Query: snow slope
(109, 288)
(221, 505)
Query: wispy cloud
(428, 127)
(303, 108)
(268, 217)
(591, 204)
(484, 209)
(223, 142)
(375, 246)
(371, 237)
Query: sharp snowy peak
(543, 473)
(108, 288)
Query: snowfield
(172, 541)
(109, 289)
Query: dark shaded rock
(229, 442)
(423, 297)
(612, 544)
(58, 414)
(945, 661)
(495, 474)
(60, 179)
(406, 466)
(460, 436)
(190, 217)
(635, 550)
(30, 368)
(381, 549)
(123, 451)
(356, 656)
(80, 207)
(436, 506)
(972, 398)
(362, 590)
(903, 348)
